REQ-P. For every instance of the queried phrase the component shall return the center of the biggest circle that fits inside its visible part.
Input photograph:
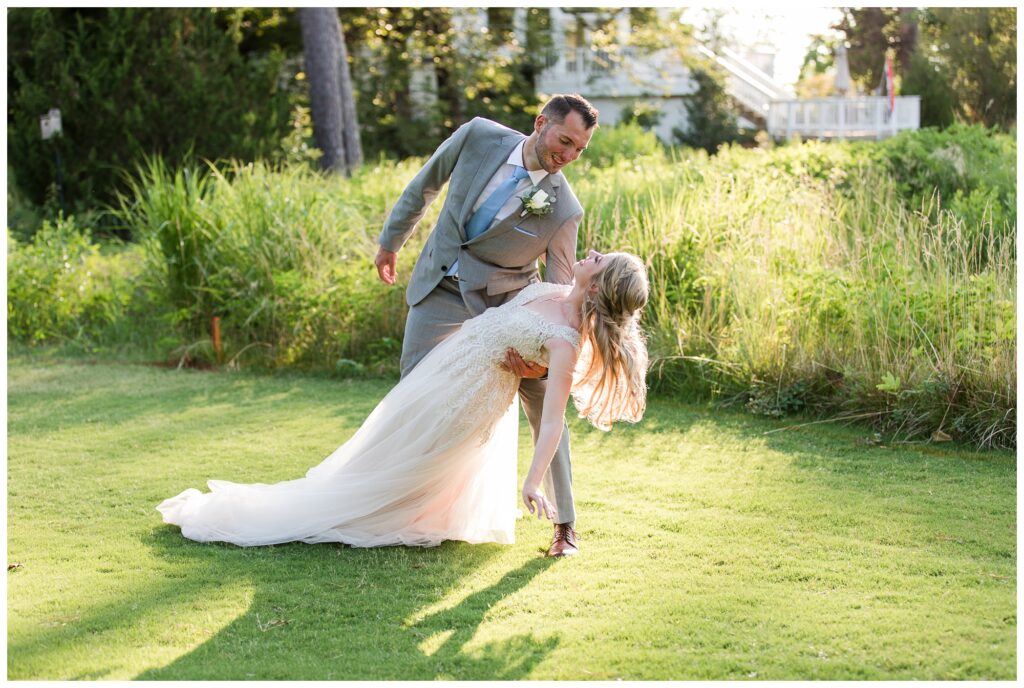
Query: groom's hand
(385, 262)
(522, 368)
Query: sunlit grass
(712, 548)
(795, 293)
(282, 254)
(811, 279)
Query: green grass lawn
(710, 549)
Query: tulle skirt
(411, 475)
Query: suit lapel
(489, 164)
(550, 184)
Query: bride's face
(586, 271)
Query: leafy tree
(870, 32)
(420, 74)
(961, 60)
(816, 76)
(132, 82)
(925, 77)
(975, 51)
(820, 55)
(710, 114)
(648, 32)
(260, 30)
(713, 31)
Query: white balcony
(624, 73)
(860, 117)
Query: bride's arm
(561, 363)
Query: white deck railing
(861, 117)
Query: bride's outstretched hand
(536, 502)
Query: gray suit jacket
(503, 259)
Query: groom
(486, 243)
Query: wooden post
(216, 340)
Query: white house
(613, 82)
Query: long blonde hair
(610, 381)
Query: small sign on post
(50, 124)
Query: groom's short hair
(558, 106)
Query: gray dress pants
(437, 317)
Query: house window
(575, 30)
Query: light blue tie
(485, 214)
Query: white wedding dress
(434, 461)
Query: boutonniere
(536, 201)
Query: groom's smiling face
(560, 143)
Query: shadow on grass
(164, 397)
(332, 612)
(326, 612)
(323, 612)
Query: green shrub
(629, 142)
(711, 119)
(812, 162)
(801, 279)
(61, 288)
(647, 113)
(798, 279)
(967, 169)
(23, 218)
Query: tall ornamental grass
(809, 278)
(820, 292)
(283, 256)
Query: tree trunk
(349, 121)
(321, 38)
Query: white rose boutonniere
(536, 201)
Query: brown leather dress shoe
(564, 543)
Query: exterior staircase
(750, 88)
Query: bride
(434, 459)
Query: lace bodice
(513, 326)
(475, 352)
